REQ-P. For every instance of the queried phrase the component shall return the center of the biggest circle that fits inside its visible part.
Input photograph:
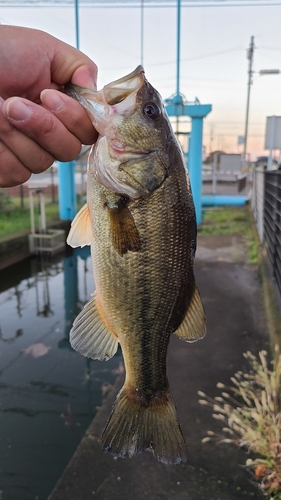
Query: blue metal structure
(177, 106)
(66, 190)
(219, 200)
(66, 170)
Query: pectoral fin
(90, 335)
(124, 233)
(80, 233)
(193, 326)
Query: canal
(48, 392)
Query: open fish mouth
(118, 97)
(116, 91)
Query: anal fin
(193, 327)
(123, 230)
(91, 336)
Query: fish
(139, 219)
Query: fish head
(130, 116)
(141, 121)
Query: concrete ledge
(88, 460)
(269, 293)
(15, 248)
(271, 305)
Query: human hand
(33, 131)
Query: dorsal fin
(193, 327)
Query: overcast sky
(214, 42)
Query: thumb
(85, 76)
(71, 65)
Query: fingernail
(17, 110)
(52, 99)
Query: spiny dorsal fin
(80, 233)
(193, 326)
(90, 335)
(123, 230)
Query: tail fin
(136, 424)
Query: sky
(214, 64)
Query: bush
(5, 201)
(252, 418)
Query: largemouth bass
(140, 222)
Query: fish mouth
(117, 91)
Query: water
(48, 392)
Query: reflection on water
(48, 392)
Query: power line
(139, 3)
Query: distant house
(210, 159)
(261, 161)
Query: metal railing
(272, 224)
(266, 206)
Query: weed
(252, 419)
(17, 220)
(224, 220)
(5, 202)
(231, 220)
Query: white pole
(42, 212)
(31, 207)
(215, 170)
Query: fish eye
(151, 110)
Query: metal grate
(272, 224)
(52, 241)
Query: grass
(14, 219)
(252, 418)
(225, 220)
(231, 220)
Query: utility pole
(250, 57)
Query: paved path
(232, 297)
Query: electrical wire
(139, 3)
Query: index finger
(71, 65)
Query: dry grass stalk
(249, 411)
